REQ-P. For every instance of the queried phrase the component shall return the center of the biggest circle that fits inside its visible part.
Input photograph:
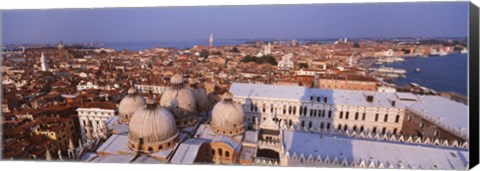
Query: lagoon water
(440, 73)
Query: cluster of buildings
(316, 107)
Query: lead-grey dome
(181, 102)
(152, 128)
(203, 104)
(228, 117)
(129, 105)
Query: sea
(441, 73)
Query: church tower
(44, 63)
(211, 40)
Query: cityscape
(344, 101)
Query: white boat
(391, 70)
(464, 51)
(417, 70)
(443, 53)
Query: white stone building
(313, 109)
(155, 89)
(93, 118)
(85, 86)
(286, 63)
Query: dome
(181, 102)
(176, 79)
(152, 128)
(203, 104)
(228, 117)
(129, 105)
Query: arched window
(305, 111)
(213, 152)
(339, 126)
(321, 125)
(385, 119)
(364, 116)
(354, 128)
(220, 153)
(346, 115)
(384, 130)
(301, 110)
(264, 108)
(374, 130)
(356, 116)
(345, 127)
(294, 110)
(376, 117)
(361, 128)
(328, 126)
(325, 99)
(318, 99)
(150, 149)
(341, 115)
(160, 147)
(397, 118)
(284, 109)
(394, 130)
(289, 110)
(329, 114)
(227, 154)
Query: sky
(427, 19)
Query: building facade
(93, 118)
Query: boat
(443, 53)
(464, 51)
(417, 70)
(391, 70)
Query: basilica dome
(203, 104)
(129, 105)
(180, 100)
(228, 117)
(152, 128)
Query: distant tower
(60, 48)
(44, 64)
(267, 49)
(211, 40)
